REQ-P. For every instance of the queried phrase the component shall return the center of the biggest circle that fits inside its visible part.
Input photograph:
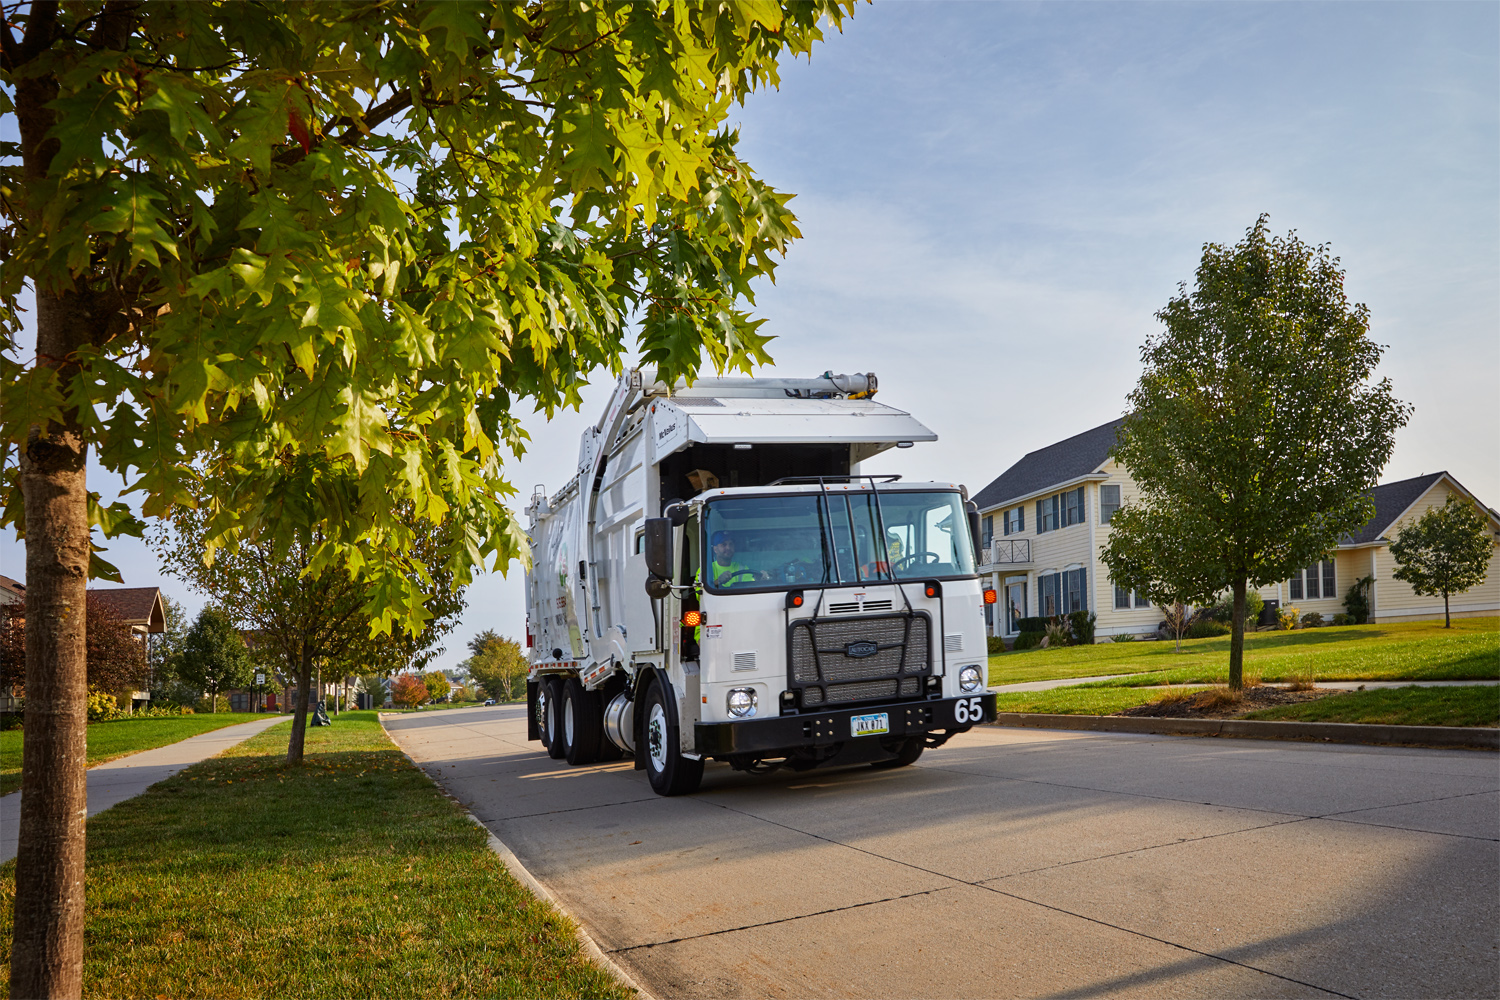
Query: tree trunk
(1447, 618)
(47, 947)
(299, 719)
(1237, 639)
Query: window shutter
(1041, 522)
(1020, 518)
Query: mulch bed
(1217, 704)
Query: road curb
(513, 865)
(1331, 732)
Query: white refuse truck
(721, 582)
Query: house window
(1046, 514)
(1318, 580)
(1073, 508)
(1126, 599)
(987, 532)
(1109, 501)
(989, 617)
(1015, 520)
(1061, 593)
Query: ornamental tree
(408, 690)
(1445, 551)
(498, 664)
(1255, 428)
(214, 657)
(295, 262)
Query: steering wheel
(727, 578)
(915, 559)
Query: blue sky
(995, 198)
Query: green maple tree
(1445, 551)
(1256, 429)
(294, 264)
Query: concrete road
(1014, 863)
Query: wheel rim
(568, 710)
(656, 737)
(541, 712)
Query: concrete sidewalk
(126, 777)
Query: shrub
(1059, 633)
(1357, 601)
(1124, 637)
(1223, 611)
(1032, 625)
(994, 644)
(1286, 618)
(1081, 624)
(102, 705)
(1207, 629)
(1027, 640)
(1312, 620)
(1343, 619)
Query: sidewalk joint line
(779, 920)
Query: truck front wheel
(669, 771)
(581, 725)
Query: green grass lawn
(351, 876)
(1080, 700)
(1408, 706)
(108, 740)
(436, 708)
(1406, 651)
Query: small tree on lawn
(1445, 551)
(214, 656)
(437, 684)
(408, 691)
(498, 664)
(1255, 430)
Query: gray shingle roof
(1068, 459)
(1390, 500)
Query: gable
(1053, 465)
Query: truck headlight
(741, 702)
(969, 678)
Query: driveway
(1013, 863)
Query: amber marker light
(692, 619)
(990, 597)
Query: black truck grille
(843, 660)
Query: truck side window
(690, 556)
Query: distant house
(140, 608)
(1046, 518)
(12, 591)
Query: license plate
(870, 725)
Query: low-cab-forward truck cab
(721, 581)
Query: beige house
(1046, 518)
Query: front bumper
(821, 729)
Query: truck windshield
(777, 542)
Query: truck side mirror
(659, 546)
(972, 509)
(676, 512)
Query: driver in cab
(724, 570)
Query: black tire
(908, 754)
(582, 726)
(669, 772)
(551, 697)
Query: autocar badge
(861, 649)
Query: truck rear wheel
(550, 697)
(582, 725)
(669, 771)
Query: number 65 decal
(969, 710)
